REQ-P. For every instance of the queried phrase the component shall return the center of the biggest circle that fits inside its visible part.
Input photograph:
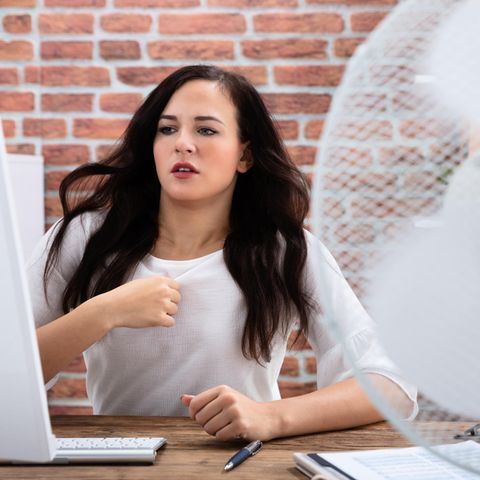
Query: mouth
(184, 167)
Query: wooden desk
(192, 454)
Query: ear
(246, 162)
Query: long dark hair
(265, 250)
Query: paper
(415, 463)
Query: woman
(181, 275)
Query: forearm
(67, 337)
(338, 406)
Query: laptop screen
(25, 430)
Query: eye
(206, 131)
(166, 130)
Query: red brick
(298, 22)
(126, 23)
(345, 47)
(67, 102)
(302, 155)
(75, 3)
(103, 151)
(65, 75)
(44, 127)
(284, 103)
(77, 365)
(157, 3)
(360, 182)
(143, 75)
(70, 50)
(201, 23)
(362, 130)
(299, 344)
(18, 3)
(201, 49)
(424, 181)
(257, 74)
(350, 260)
(332, 208)
(16, 101)
(119, 49)
(291, 48)
(16, 50)
(290, 367)
(70, 23)
(401, 155)
(288, 129)
(309, 75)
(366, 21)
(68, 388)
(53, 207)
(313, 129)
(23, 148)
(8, 76)
(17, 23)
(65, 154)
(8, 128)
(99, 127)
(391, 207)
(54, 178)
(346, 157)
(426, 128)
(120, 102)
(354, 233)
(253, 3)
(67, 410)
(311, 365)
(294, 389)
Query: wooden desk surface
(192, 454)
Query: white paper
(415, 463)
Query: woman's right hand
(145, 302)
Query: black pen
(248, 451)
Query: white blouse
(145, 371)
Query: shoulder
(318, 255)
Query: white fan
(405, 230)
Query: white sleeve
(338, 302)
(47, 308)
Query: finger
(171, 308)
(167, 321)
(217, 423)
(209, 411)
(175, 295)
(186, 399)
(172, 283)
(203, 399)
(229, 432)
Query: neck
(191, 229)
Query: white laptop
(25, 429)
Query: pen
(248, 451)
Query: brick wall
(73, 71)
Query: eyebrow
(198, 118)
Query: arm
(148, 302)
(227, 414)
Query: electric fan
(396, 198)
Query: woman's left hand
(227, 414)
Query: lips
(184, 167)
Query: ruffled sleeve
(341, 315)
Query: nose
(184, 144)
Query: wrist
(279, 420)
(99, 309)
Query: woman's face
(197, 148)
